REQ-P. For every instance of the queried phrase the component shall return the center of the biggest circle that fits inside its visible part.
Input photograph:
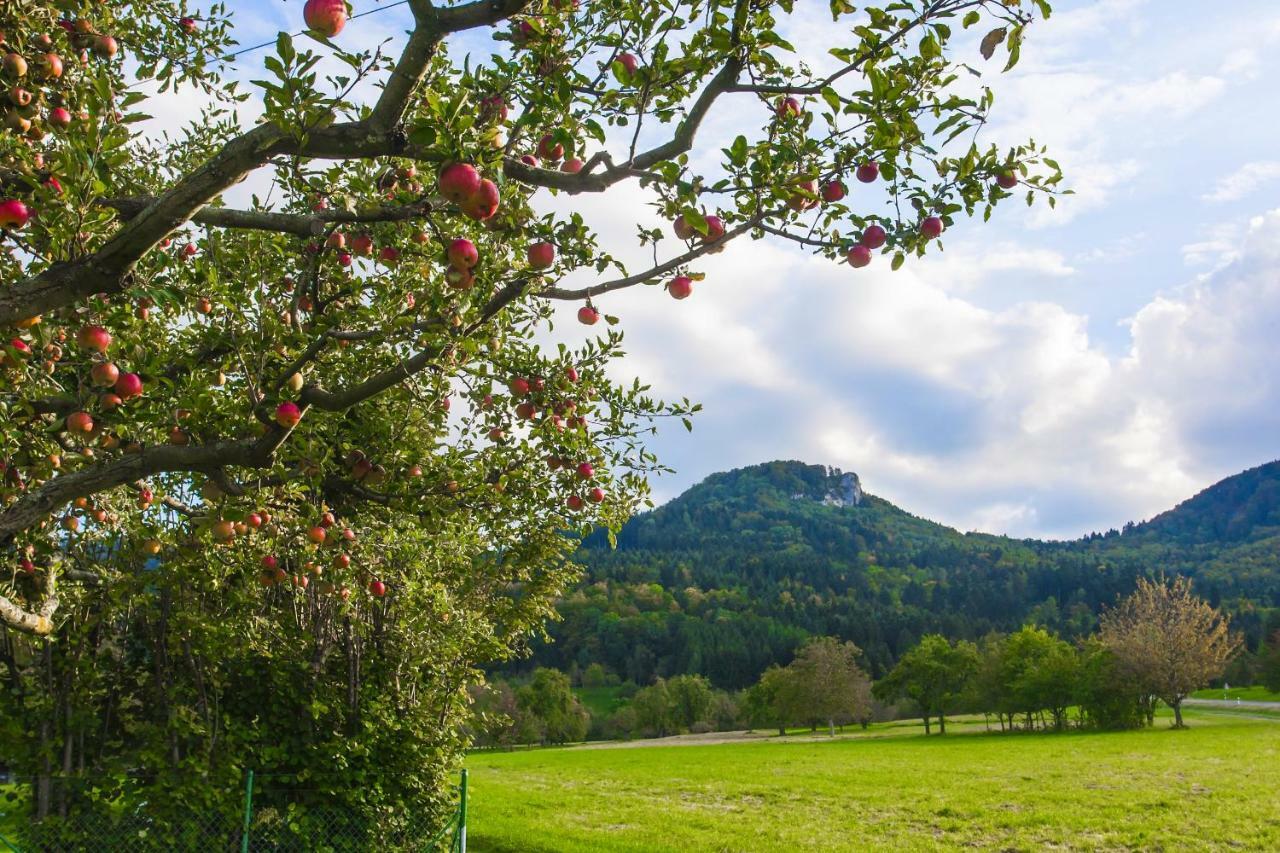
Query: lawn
(1212, 786)
(1248, 694)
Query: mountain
(735, 573)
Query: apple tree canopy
(347, 354)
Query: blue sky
(1049, 373)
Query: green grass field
(1247, 694)
(601, 701)
(1210, 787)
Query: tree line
(1156, 645)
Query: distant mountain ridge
(734, 573)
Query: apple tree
(288, 365)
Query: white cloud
(1244, 181)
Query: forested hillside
(735, 573)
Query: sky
(1051, 372)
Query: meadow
(1212, 786)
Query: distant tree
(1169, 640)
(689, 699)
(1039, 673)
(1271, 664)
(774, 700)
(935, 674)
(1107, 696)
(724, 713)
(549, 699)
(830, 682)
(652, 708)
(595, 675)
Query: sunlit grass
(1211, 786)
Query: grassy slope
(601, 701)
(1211, 786)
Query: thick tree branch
(285, 223)
(39, 503)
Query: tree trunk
(1177, 714)
(831, 727)
(926, 724)
(942, 723)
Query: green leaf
(898, 260)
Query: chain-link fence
(277, 814)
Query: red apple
(362, 245)
(105, 46)
(129, 385)
(834, 190)
(574, 502)
(459, 181)
(80, 422)
(859, 256)
(715, 229)
(270, 562)
(104, 374)
(60, 118)
(530, 161)
(868, 172)
(549, 149)
(483, 203)
(94, 338)
(788, 107)
(931, 227)
(389, 256)
(459, 279)
(14, 214)
(519, 387)
(316, 535)
(806, 195)
(51, 66)
(630, 63)
(586, 471)
(683, 230)
(541, 255)
(377, 589)
(596, 495)
(680, 287)
(588, 316)
(571, 373)
(462, 253)
(288, 415)
(326, 17)
(873, 237)
(572, 166)
(526, 411)
(188, 25)
(1006, 179)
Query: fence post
(248, 812)
(462, 814)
